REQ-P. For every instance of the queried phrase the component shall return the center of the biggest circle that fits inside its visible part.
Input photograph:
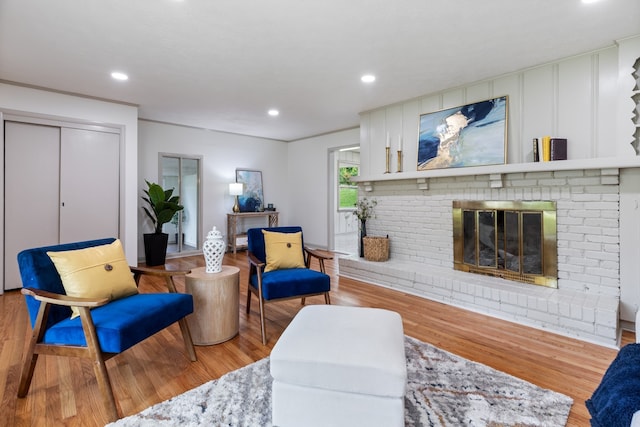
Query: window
(347, 190)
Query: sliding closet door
(89, 185)
(31, 192)
(61, 185)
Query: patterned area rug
(443, 390)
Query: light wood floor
(64, 391)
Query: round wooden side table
(216, 304)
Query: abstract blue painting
(252, 199)
(469, 135)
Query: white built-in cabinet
(61, 185)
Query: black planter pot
(363, 234)
(155, 248)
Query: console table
(238, 240)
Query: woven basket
(376, 248)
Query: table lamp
(235, 189)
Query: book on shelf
(558, 149)
(546, 148)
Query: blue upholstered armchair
(104, 327)
(279, 268)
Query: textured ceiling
(221, 64)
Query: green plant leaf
(156, 193)
(163, 205)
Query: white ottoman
(340, 366)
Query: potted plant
(364, 211)
(163, 205)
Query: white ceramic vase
(213, 250)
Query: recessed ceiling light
(273, 112)
(119, 76)
(590, 1)
(368, 78)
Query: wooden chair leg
(104, 384)
(327, 299)
(170, 284)
(31, 357)
(263, 329)
(188, 342)
(99, 367)
(249, 299)
(27, 372)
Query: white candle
(399, 142)
(388, 139)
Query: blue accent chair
(279, 285)
(104, 328)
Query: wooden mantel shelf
(560, 165)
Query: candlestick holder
(388, 152)
(399, 160)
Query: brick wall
(419, 224)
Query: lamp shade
(235, 189)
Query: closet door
(89, 185)
(61, 185)
(31, 192)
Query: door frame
(199, 233)
(332, 178)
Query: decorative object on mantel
(213, 251)
(235, 189)
(388, 155)
(376, 248)
(399, 154)
(546, 148)
(558, 149)
(554, 149)
(470, 135)
(364, 211)
(536, 154)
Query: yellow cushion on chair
(283, 250)
(95, 272)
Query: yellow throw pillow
(283, 250)
(95, 272)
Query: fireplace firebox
(515, 240)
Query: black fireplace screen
(514, 240)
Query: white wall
(575, 98)
(308, 172)
(295, 175)
(221, 154)
(34, 102)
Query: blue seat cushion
(124, 322)
(291, 282)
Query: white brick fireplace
(417, 216)
(592, 100)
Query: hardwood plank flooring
(64, 391)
